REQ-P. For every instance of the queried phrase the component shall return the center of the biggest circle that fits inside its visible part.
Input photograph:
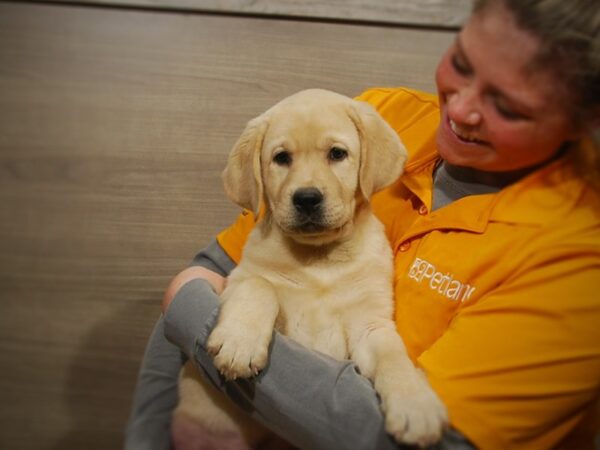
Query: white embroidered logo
(443, 283)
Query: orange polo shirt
(497, 295)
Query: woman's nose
(464, 108)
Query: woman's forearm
(155, 395)
(156, 392)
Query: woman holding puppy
(496, 235)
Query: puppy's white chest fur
(315, 324)
(312, 308)
(322, 292)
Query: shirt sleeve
(155, 395)
(156, 391)
(521, 367)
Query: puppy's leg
(189, 435)
(206, 419)
(413, 412)
(240, 340)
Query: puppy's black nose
(307, 200)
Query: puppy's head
(309, 160)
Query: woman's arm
(216, 281)
(311, 400)
(156, 391)
(155, 395)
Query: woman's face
(497, 113)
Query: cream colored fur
(329, 286)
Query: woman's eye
(337, 154)
(460, 65)
(282, 158)
(508, 113)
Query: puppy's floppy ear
(382, 155)
(242, 175)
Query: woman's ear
(242, 175)
(382, 155)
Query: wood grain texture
(114, 127)
(433, 13)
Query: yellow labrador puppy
(317, 267)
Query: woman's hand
(191, 273)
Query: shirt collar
(546, 195)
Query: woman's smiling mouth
(463, 135)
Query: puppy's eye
(282, 158)
(337, 154)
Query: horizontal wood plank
(114, 127)
(432, 13)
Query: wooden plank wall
(115, 122)
(432, 13)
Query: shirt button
(404, 246)
(423, 210)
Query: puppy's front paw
(414, 414)
(238, 350)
